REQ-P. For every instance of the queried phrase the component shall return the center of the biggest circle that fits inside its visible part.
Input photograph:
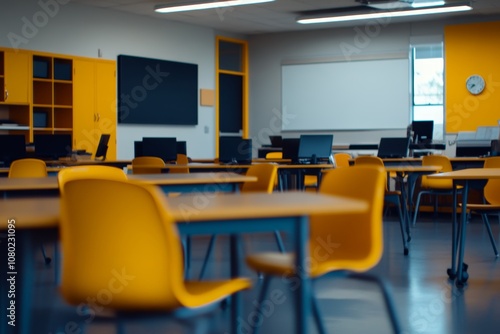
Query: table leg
(462, 275)
(235, 258)
(452, 272)
(303, 305)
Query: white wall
(370, 41)
(71, 29)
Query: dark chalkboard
(154, 91)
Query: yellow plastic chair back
(120, 243)
(342, 159)
(28, 168)
(89, 172)
(491, 190)
(266, 174)
(182, 159)
(349, 241)
(139, 165)
(371, 161)
(437, 184)
(274, 155)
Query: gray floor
(426, 301)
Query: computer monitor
(393, 147)
(102, 147)
(235, 150)
(182, 147)
(422, 131)
(138, 149)
(314, 148)
(291, 149)
(276, 141)
(52, 147)
(162, 147)
(12, 147)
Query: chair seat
(274, 263)
(202, 293)
(482, 207)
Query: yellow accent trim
(244, 74)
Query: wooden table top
(192, 178)
(29, 183)
(30, 212)
(35, 212)
(260, 205)
(469, 174)
(413, 168)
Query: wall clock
(475, 84)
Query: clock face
(475, 84)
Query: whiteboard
(354, 95)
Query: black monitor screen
(52, 147)
(102, 147)
(393, 147)
(162, 147)
(315, 146)
(12, 147)
(276, 141)
(235, 150)
(422, 131)
(138, 148)
(291, 148)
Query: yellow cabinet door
(16, 77)
(106, 103)
(84, 117)
(94, 105)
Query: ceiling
(277, 16)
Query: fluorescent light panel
(178, 6)
(384, 14)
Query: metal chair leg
(207, 256)
(490, 234)
(279, 241)
(389, 304)
(263, 292)
(317, 316)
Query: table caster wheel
(48, 260)
(452, 275)
(406, 251)
(465, 266)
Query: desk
(195, 182)
(36, 219)
(29, 186)
(412, 172)
(468, 177)
(230, 214)
(297, 169)
(168, 182)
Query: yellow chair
(266, 174)
(491, 199)
(89, 172)
(358, 238)
(182, 160)
(274, 155)
(146, 165)
(121, 246)
(391, 196)
(341, 159)
(436, 187)
(28, 167)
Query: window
(428, 86)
